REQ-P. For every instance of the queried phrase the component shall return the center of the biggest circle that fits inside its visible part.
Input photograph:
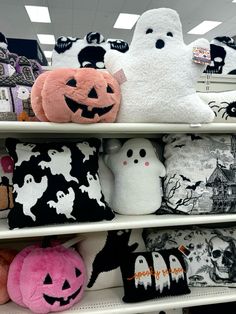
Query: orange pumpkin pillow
(81, 95)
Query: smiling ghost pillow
(160, 74)
(76, 95)
(137, 171)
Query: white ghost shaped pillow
(160, 74)
(137, 171)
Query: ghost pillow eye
(149, 30)
(169, 34)
(71, 82)
(129, 153)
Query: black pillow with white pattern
(56, 183)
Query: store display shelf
(120, 222)
(109, 301)
(113, 128)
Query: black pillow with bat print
(150, 275)
(56, 183)
(200, 174)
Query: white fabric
(160, 84)
(223, 104)
(94, 243)
(137, 186)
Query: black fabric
(152, 275)
(56, 183)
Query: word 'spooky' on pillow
(84, 52)
(160, 73)
(149, 275)
(200, 173)
(56, 183)
(137, 171)
(223, 56)
(210, 253)
(223, 104)
(102, 253)
(76, 95)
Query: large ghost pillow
(137, 184)
(56, 183)
(160, 76)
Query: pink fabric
(47, 279)
(7, 164)
(52, 106)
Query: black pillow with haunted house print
(56, 183)
(151, 275)
(200, 174)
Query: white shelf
(109, 301)
(119, 222)
(112, 128)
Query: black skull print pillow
(56, 183)
(210, 254)
(150, 275)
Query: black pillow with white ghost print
(150, 275)
(56, 183)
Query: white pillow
(102, 253)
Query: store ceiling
(78, 17)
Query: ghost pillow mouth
(160, 44)
(87, 112)
(63, 301)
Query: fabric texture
(57, 284)
(200, 173)
(223, 56)
(137, 171)
(102, 253)
(223, 104)
(6, 172)
(56, 183)
(160, 74)
(76, 95)
(84, 52)
(211, 253)
(153, 274)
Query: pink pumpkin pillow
(48, 279)
(81, 95)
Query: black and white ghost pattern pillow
(149, 275)
(200, 172)
(102, 253)
(223, 104)
(56, 183)
(210, 254)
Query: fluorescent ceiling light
(38, 14)
(204, 27)
(47, 53)
(234, 1)
(46, 39)
(126, 21)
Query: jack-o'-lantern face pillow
(79, 95)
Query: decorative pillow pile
(55, 183)
(47, 279)
(6, 171)
(84, 52)
(200, 173)
(76, 95)
(102, 253)
(153, 91)
(210, 253)
(137, 171)
(152, 275)
(223, 104)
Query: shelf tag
(201, 55)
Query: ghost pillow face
(153, 274)
(55, 183)
(137, 171)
